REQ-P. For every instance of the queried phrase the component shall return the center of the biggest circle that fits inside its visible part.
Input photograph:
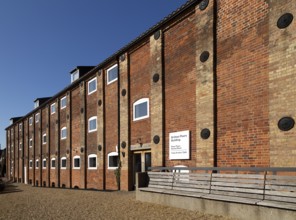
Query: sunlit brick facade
(221, 71)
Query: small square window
(64, 102)
(141, 109)
(53, 108)
(53, 163)
(63, 133)
(92, 86)
(92, 161)
(112, 74)
(37, 117)
(63, 163)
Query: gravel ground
(20, 201)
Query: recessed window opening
(37, 117)
(30, 121)
(44, 164)
(44, 139)
(92, 161)
(113, 160)
(53, 108)
(37, 164)
(112, 74)
(92, 124)
(64, 102)
(20, 127)
(63, 133)
(53, 165)
(141, 109)
(63, 163)
(92, 86)
(76, 162)
(31, 142)
(30, 164)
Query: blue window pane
(93, 124)
(112, 74)
(141, 110)
(92, 86)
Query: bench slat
(279, 187)
(239, 176)
(281, 198)
(238, 194)
(276, 177)
(214, 179)
(239, 185)
(232, 189)
(232, 199)
(280, 193)
(180, 189)
(281, 182)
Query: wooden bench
(255, 189)
(186, 184)
(240, 188)
(280, 192)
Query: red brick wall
(91, 108)
(242, 80)
(64, 173)
(76, 107)
(139, 88)
(111, 118)
(180, 84)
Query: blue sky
(41, 41)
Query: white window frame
(76, 157)
(51, 167)
(63, 128)
(90, 119)
(109, 69)
(30, 121)
(20, 127)
(110, 155)
(75, 76)
(44, 135)
(89, 82)
(63, 158)
(31, 140)
(44, 167)
(37, 117)
(61, 102)
(30, 163)
(92, 156)
(20, 146)
(138, 102)
(51, 106)
(37, 161)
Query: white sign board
(179, 145)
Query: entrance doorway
(141, 162)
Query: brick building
(210, 85)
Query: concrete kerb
(234, 210)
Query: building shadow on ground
(8, 187)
